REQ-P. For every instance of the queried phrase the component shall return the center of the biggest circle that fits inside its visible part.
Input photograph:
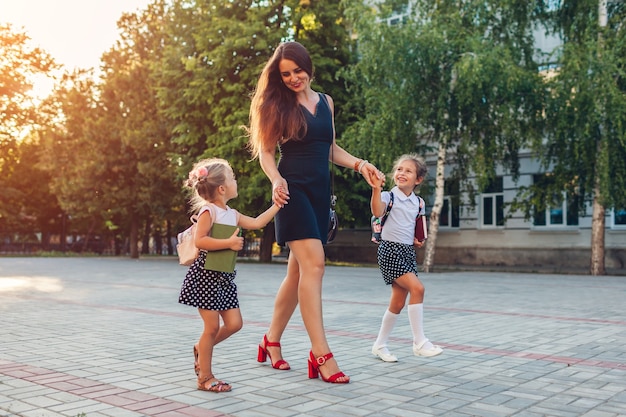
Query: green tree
(111, 149)
(73, 149)
(211, 62)
(145, 189)
(455, 76)
(35, 207)
(585, 144)
(20, 63)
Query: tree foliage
(457, 76)
(459, 70)
(149, 193)
(20, 63)
(74, 150)
(584, 148)
(110, 150)
(210, 66)
(20, 175)
(211, 62)
(175, 87)
(586, 108)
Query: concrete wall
(523, 250)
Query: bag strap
(387, 210)
(422, 207)
(209, 208)
(333, 197)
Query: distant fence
(251, 249)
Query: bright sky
(75, 32)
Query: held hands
(372, 175)
(280, 192)
(235, 242)
(376, 181)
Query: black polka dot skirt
(396, 259)
(209, 290)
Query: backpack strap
(422, 210)
(387, 210)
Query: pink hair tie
(202, 172)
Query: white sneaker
(384, 354)
(426, 349)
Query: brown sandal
(215, 386)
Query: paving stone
(108, 338)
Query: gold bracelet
(356, 165)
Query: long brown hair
(275, 115)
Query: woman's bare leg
(284, 305)
(310, 256)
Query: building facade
(481, 231)
(485, 232)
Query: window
(449, 214)
(399, 15)
(492, 204)
(560, 210)
(618, 217)
(450, 211)
(553, 5)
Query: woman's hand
(372, 175)
(280, 192)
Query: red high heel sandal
(263, 354)
(314, 369)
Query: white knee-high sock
(387, 325)
(416, 319)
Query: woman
(286, 113)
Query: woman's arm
(280, 189)
(341, 157)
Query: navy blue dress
(304, 164)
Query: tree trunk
(598, 219)
(45, 240)
(168, 236)
(134, 237)
(267, 243)
(597, 232)
(63, 232)
(158, 241)
(145, 247)
(85, 245)
(433, 227)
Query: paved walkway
(93, 337)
